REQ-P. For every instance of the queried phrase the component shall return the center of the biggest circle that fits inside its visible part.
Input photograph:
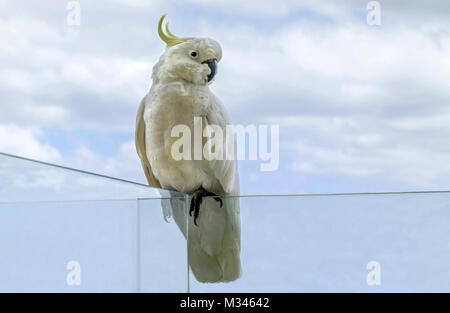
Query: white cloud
(23, 142)
(353, 100)
(438, 122)
(360, 147)
(274, 9)
(44, 67)
(27, 143)
(39, 179)
(125, 164)
(106, 77)
(352, 67)
(414, 166)
(412, 12)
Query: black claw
(197, 199)
(192, 207)
(218, 199)
(195, 220)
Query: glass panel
(65, 230)
(51, 247)
(27, 180)
(163, 253)
(340, 243)
(119, 246)
(62, 230)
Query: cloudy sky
(360, 108)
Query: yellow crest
(169, 38)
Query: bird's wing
(140, 146)
(226, 170)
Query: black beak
(212, 64)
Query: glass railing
(343, 243)
(69, 231)
(65, 230)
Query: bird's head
(190, 59)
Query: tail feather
(213, 245)
(214, 239)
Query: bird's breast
(171, 106)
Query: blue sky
(360, 108)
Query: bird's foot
(196, 201)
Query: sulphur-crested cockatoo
(180, 95)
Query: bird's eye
(194, 54)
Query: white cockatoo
(180, 95)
